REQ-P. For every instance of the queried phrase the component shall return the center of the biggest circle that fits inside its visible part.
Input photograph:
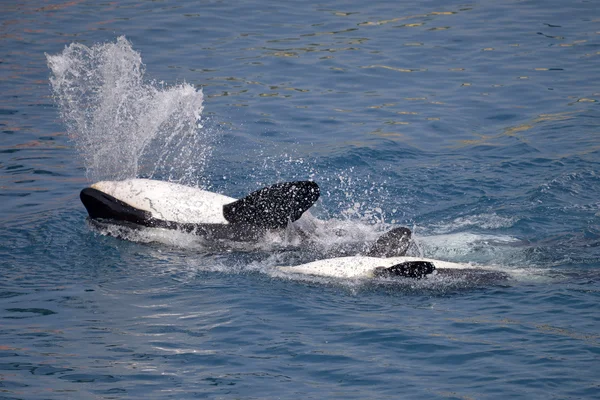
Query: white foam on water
(169, 237)
(122, 125)
(484, 221)
(465, 244)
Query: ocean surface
(475, 124)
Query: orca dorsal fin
(408, 269)
(273, 206)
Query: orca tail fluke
(273, 206)
(408, 269)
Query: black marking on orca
(408, 269)
(274, 206)
(421, 269)
(393, 243)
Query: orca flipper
(408, 269)
(393, 243)
(273, 206)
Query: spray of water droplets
(123, 126)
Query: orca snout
(100, 205)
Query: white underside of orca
(360, 266)
(169, 201)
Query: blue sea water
(475, 124)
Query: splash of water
(122, 126)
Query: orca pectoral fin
(273, 206)
(393, 243)
(408, 269)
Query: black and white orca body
(139, 203)
(158, 204)
(364, 267)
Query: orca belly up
(361, 267)
(139, 203)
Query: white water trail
(122, 126)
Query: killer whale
(157, 204)
(365, 267)
(138, 203)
